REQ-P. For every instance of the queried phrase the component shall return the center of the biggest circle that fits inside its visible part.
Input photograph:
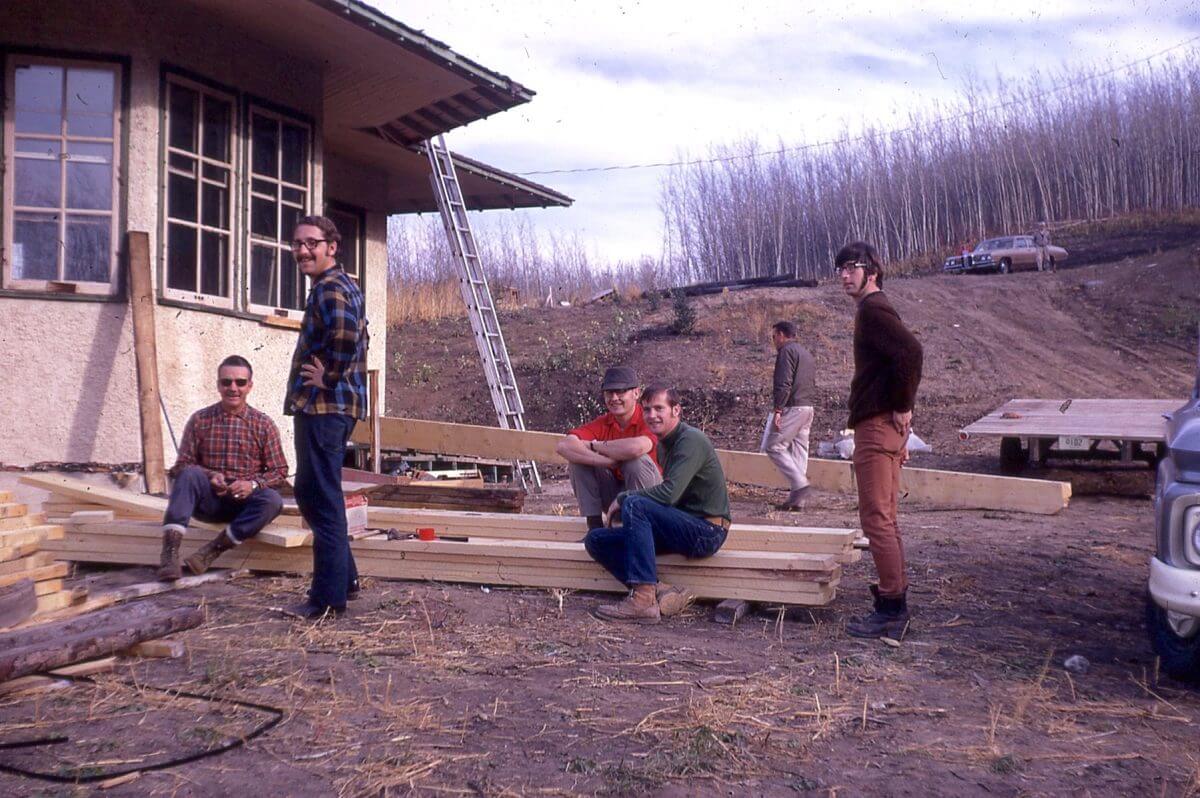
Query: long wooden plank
(22, 521)
(54, 571)
(39, 559)
(141, 297)
(493, 549)
(8, 553)
(748, 589)
(34, 534)
(950, 488)
(12, 510)
(387, 561)
(1112, 419)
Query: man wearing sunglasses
(327, 393)
(230, 462)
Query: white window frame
(283, 245)
(10, 209)
(232, 271)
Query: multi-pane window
(61, 161)
(280, 150)
(349, 223)
(198, 201)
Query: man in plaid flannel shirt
(230, 463)
(327, 393)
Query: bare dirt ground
(442, 689)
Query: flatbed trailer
(1035, 430)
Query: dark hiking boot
(673, 600)
(168, 568)
(795, 500)
(353, 591)
(890, 618)
(641, 606)
(200, 562)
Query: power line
(826, 143)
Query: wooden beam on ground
(949, 488)
(54, 645)
(141, 295)
(157, 649)
(373, 419)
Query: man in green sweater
(687, 513)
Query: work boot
(795, 500)
(890, 618)
(168, 568)
(199, 562)
(672, 600)
(307, 611)
(641, 606)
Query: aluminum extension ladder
(480, 307)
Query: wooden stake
(141, 295)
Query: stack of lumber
(780, 564)
(31, 582)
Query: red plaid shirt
(242, 446)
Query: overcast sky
(625, 82)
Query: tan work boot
(168, 568)
(640, 607)
(199, 562)
(673, 600)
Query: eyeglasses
(849, 267)
(308, 243)
(240, 381)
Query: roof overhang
(378, 73)
(386, 89)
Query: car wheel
(1013, 457)
(1005, 266)
(1175, 638)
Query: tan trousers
(786, 444)
(595, 487)
(878, 448)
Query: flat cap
(619, 378)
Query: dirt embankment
(1117, 330)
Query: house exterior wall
(67, 365)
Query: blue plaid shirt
(334, 330)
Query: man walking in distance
(1041, 240)
(613, 452)
(687, 513)
(230, 463)
(327, 392)
(887, 371)
(786, 441)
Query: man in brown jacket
(887, 371)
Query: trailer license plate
(1074, 443)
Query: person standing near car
(327, 392)
(887, 371)
(1041, 241)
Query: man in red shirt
(230, 462)
(613, 453)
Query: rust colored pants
(878, 449)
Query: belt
(717, 520)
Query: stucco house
(212, 125)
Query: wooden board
(54, 571)
(950, 488)
(38, 559)
(33, 534)
(571, 529)
(524, 563)
(429, 494)
(8, 553)
(12, 510)
(1109, 419)
(22, 521)
(141, 298)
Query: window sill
(282, 322)
(66, 296)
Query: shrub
(684, 321)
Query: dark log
(53, 645)
(484, 500)
(18, 601)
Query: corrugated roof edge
(415, 41)
(490, 172)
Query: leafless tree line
(516, 257)
(1079, 147)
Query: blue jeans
(320, 450)
(650, 528)
(192, 494)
